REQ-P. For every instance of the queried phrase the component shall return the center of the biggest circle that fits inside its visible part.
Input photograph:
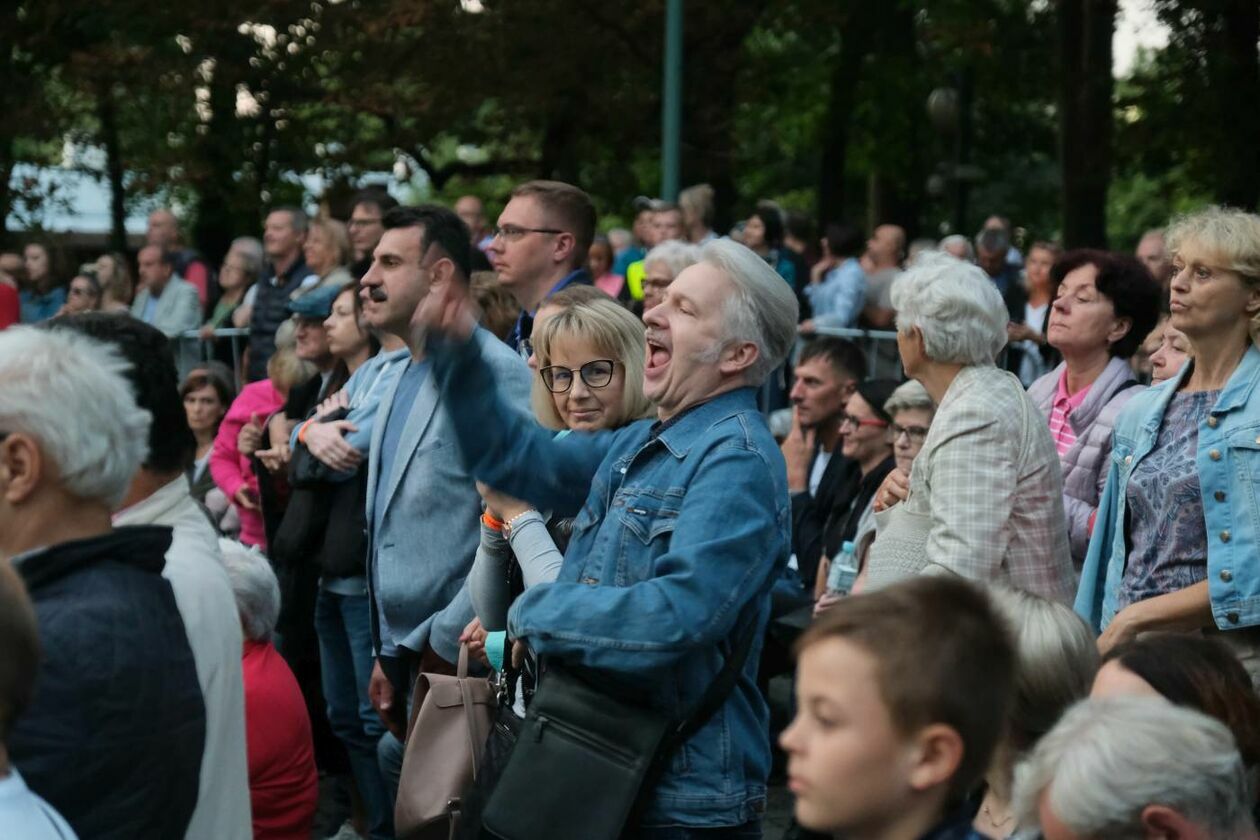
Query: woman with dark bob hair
(1104, 305)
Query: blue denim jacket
(677, 540)
(1228, 461)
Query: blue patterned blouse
(1166, 527)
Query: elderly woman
(986, 493)
(662, 264)
(1056, 662)
(327, 253)
(283, 783)
(1170, 353)
(1104, 306)
(1175, 540)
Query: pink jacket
(231, 469)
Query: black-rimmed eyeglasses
(511, 233)
(596, 374)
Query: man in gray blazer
(167, 301)
(422, 503)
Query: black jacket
(810, 514)
(114, 736)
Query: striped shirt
(1060, 410)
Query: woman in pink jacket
(231, 466)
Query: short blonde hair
(611, 329)
(1232, 236)
(286, 370)
(337, 236)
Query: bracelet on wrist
(511, 523)
(491, 522)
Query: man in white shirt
(159, 495)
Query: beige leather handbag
(451, 719)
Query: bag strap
(717, 692)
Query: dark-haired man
(365, 227)
(422, 503)
(159, 495)
(165, 301)
(540, 246)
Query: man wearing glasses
(539, 247)
(365, 227)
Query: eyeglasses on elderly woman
(596, 374)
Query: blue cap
(315, 304)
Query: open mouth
(658, 356)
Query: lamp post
(671, 100)
(949, 109)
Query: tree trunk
(1086, 28)
(215, 226)
(1234, 80)
(107, 112)
(855, 41)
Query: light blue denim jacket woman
(1228, 462)
(677, 540)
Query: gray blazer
(418, 562)
(178, 309)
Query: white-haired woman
(662, 264)
(985, 498)
(283, 782)
(1177, 531)
(1056, 662)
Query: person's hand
(518, 653)
(381, 693)
(206, 332)
(1022, 332)
(276, 458)
(502, 506)
(820, 578)
(447, 310)
(325, 442)
(806, 327)
(896, 488)
(1123, 628)
(246, 499)
(826, 602)
(820, 269)
(337, 401)
(250, 437)
(474, 636)
(798, 451)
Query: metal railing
(883, 361)
(192, 349)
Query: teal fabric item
(495, 644)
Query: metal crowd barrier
(193, 349)
(883, 361)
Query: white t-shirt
(821, 460)
(194, 567)
(24, 814)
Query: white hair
(908, 396)
(958, 239)
(956, 306)
(763, 309)
(674, 255)
(1108, 759)
(255, 586)
(71, 393)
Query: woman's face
(204, 409)
(600, 260)
(865, 435)
(81, 296)
(1083, 319)
(105, 268)
(1037, 268)
(909, 430)
(1171, 354)
(1204, 298)
(233, 275)
(320, 254)
(754, 232)
(1115, 680)
(345, 339)
(583, 406)
(36, 259)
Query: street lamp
(949, 109)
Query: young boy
(902, 694)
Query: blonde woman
(1175, 539)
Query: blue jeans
(342, 623)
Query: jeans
(747, 831)
(342, 623)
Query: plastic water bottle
(843, 572)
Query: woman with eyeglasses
(83, 295)
(590, 355)
(866, 440)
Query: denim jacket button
(1215, 454)
(1128, 459)
(1224, 536)
(1227, 575)
(1219, 495)
(1212, 421)
(1232, 618)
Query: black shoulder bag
(586, 762)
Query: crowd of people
(1008, 559)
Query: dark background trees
(222, 106)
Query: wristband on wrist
(511, 523)
(302, 431)
(491, 522)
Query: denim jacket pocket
(648, 522)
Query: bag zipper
(573, 733)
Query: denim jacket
(676, 542)
(1228, 461)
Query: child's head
(285, 370)
(901, 698)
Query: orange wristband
(490, 522)
(302, 431)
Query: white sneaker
(346, 832)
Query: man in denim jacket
(681, 527)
